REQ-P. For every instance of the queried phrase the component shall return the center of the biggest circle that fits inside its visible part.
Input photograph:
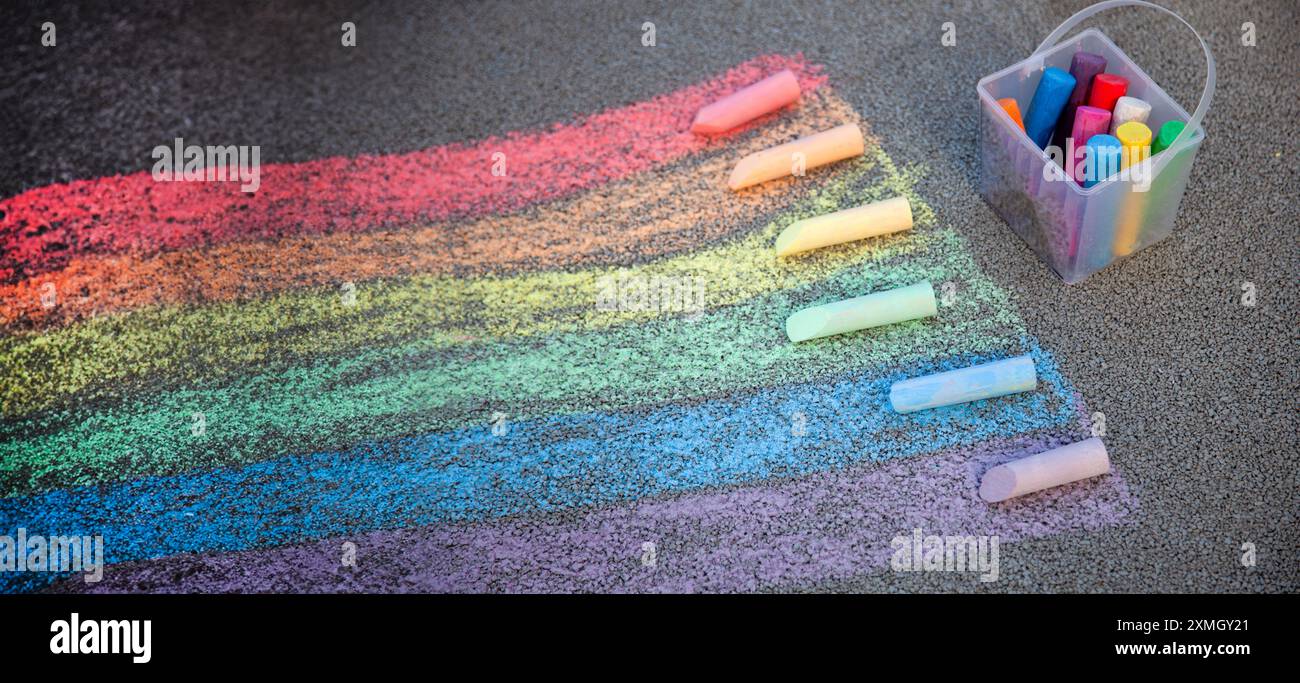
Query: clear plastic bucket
(1074, 230)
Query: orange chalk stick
(748, 103)
(793, 158)
(1012, 109)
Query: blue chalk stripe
(536, 466)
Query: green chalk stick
(882, 308)
(1168, 133)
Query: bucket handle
(1207, 94)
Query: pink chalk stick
(1058, 466)
(1088, 121)
(748, 103)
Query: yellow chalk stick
(868, 220)
(840, 142)
(1136, 140)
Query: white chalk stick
(1128, 109)
(1058, 466)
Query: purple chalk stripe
(830, 525)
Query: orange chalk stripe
(644, 216)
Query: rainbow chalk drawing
(500, 399)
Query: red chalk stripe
(41, 230)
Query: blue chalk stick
(998, 378)
(1103, 155)
(1049, 100)
(1083, 66)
